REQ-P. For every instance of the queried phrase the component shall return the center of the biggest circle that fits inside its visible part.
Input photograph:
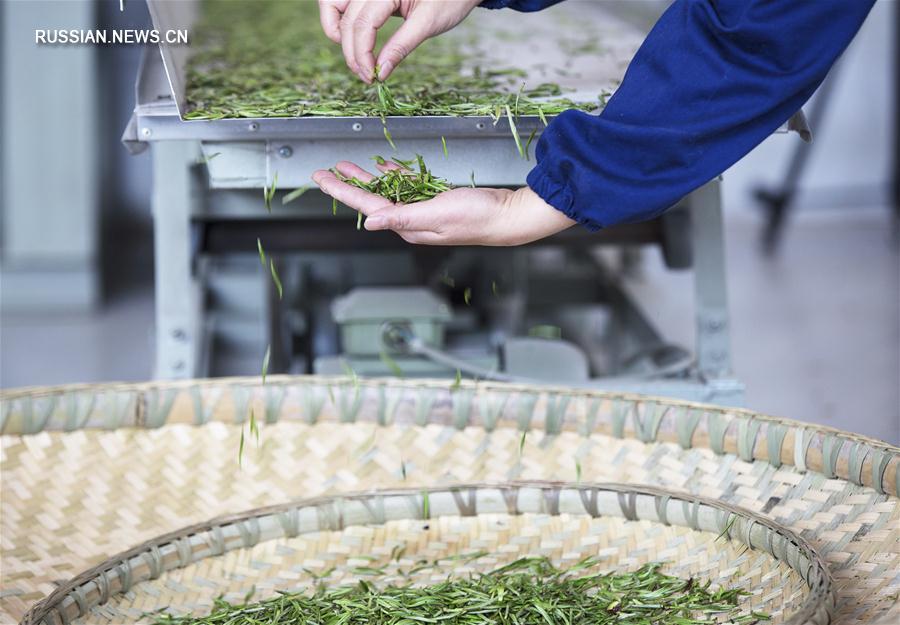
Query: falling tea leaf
(276, 279)
(391, 364)
(293, 195)
(265, 363)
(269, 192)
(387, 135)
(262, 254)
(528, 143)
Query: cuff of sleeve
(495, 4)
(558, 195)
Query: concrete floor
(816, 331)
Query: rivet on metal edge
(285, 151)
(357, 127)
(480, 126)
(253, 126)
(146, 132)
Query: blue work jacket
(710, 82)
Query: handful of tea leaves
(404, 185)
(529, 591)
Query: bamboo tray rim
(9, 395)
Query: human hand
(354, 24)
(461, 216)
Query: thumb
(407, 38)
(402, 218)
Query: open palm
(461, 216)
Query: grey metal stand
(711, 294)
(178, 301)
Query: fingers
(387, 166)
(352, 170)
(354, 197)
(370, 18)
(347, 42)
(407, 38)
(358, 27)
(330, 16)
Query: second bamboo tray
(339, 540)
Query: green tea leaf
(426, 505)
(265, 364)
(293, 195)
(254, 426)
(515, 132)
(528, 143)
(387, 135)
(269, 193)
(207, 159)
(391, 364)
(262, 254)
(276, 279)
(444, 146)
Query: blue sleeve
(711, 81)
(519, 5)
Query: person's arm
(711, 81)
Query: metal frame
(183, 328)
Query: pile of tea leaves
(529, 591)
(270, 58)
(403, 185)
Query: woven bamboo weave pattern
(98, 474)
(154, 559)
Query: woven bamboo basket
(784, 575)
(91, 471)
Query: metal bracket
(130, 138)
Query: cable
(400, 336)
